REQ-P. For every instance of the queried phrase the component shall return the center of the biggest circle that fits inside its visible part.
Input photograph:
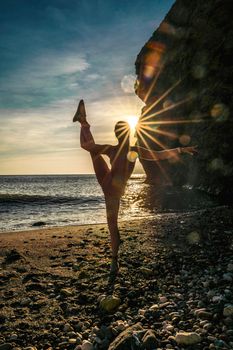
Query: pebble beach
(173, 291)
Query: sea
(31, 201)
(34, 201)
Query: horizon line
(55, 174)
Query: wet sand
(171, 266)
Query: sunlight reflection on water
(74, 199)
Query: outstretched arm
(150, 155)
(87, 141)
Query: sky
(55, 52)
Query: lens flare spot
(198, 71)
(132, 156)
(173, 160)
(184, 140)
(216, 164)
(191, 95)
(148, 72)
(167, 28)
(196, 115)
(167, 103)
(193, 237)
(220, 111)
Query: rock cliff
(185, 76)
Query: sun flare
(132, 120)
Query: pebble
(86, 345)
(110, 303)
(162, 299)
(154, 307)
(187, 338)
(6, 346)
(230, 267)
(228, 277)
(170, 328)
(217, 298)
(146, 271)
(228, 310)
(98, 340)
(207, 326)
(78, 340)
(39, 223)
(25, 301)
(66, 292)
(203, 314)
(76, 267)
(121, 325)
(14, 337)
(200, 303)
(67, 328)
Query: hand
(189, 150)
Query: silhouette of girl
(113, 181)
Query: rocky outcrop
(185, 76)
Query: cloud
(47, 66)
(43, 79)
(93, 77)
(58, 65)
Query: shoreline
(73, 226)
(143, 218)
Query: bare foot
(80, 115)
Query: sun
(132, 120)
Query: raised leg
(85, 135)
(86, 139)
(101, 169)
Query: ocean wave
(17, 198)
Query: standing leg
(112, 208)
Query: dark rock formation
(185, 76)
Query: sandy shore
(172, 266)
